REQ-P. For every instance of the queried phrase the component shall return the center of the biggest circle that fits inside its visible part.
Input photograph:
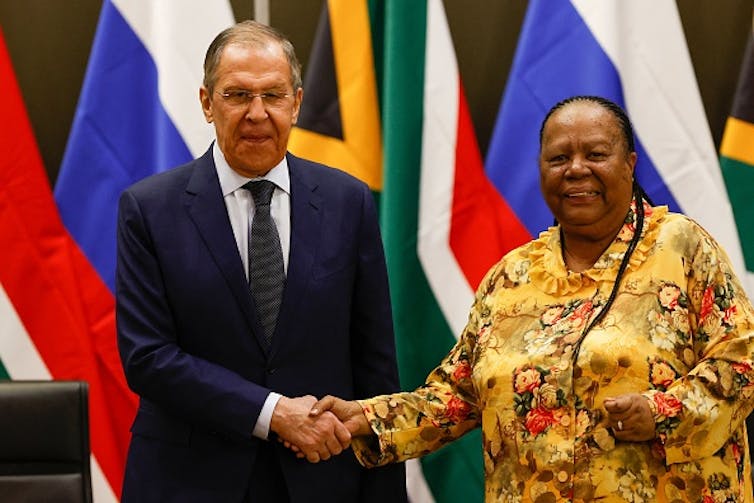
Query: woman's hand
(349, 412)
(630, 417)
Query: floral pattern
(537, 399)
(661, 373)
(525, 372)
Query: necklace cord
(638, 193)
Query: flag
(443, 224)
(339, 122)
(138, 113)
(737, 155)
(57, 317)
(635, 54)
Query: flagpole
(262, 11)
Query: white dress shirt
(240, 206)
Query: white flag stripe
(17, 351)
(101, 490)
(416, 485)
(645, 41)
(441, 99)
(177, 33)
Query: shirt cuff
(262, 426)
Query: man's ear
(297, 104)
(205, 98)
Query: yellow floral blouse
(679, 332)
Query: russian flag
(138, 113)
(635, 54)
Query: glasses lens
(241, 97)
(273, 100)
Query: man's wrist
(262, 428)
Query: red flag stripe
(483, 227)
(65, 307)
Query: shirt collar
(230, 180)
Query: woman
(610, 358)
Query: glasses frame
(243, 98)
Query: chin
(575, 223)
(581, 216)
(258, 161)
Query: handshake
(317, 430)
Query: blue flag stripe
(557, 57)
(120, 134)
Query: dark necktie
(266, 274)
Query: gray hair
(254, 34)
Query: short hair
(251, 33)
(619, 114)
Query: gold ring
(619, 425)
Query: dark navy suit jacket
(191, 343)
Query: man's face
(252, 134)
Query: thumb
(617, 404)
(611, 404)
(322, 405)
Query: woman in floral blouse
(610, 358)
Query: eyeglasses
(242, 98)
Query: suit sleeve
(373, 343)
(188, 387)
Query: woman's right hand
(349, 413)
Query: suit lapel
(206, 207)
(305, 238)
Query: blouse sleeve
(699, 412)
(412, 424)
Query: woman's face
(585, 170)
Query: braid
(638, 191)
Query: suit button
(271, 370)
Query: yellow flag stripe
(357, 85)
(333, 152)
(360, 151)
(738, 141)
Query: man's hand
(630, 417)
(349, 413)
(315, 437)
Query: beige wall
(49, 42)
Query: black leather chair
(44, 442)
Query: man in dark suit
(219, 329)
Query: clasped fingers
(320, 438)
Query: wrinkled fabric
(679, 332)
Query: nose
(577, 167)
(256, 110)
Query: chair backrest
(44, 442)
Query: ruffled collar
(549, 273)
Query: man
(224, 313)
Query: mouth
(255, 138)
(582, 194)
